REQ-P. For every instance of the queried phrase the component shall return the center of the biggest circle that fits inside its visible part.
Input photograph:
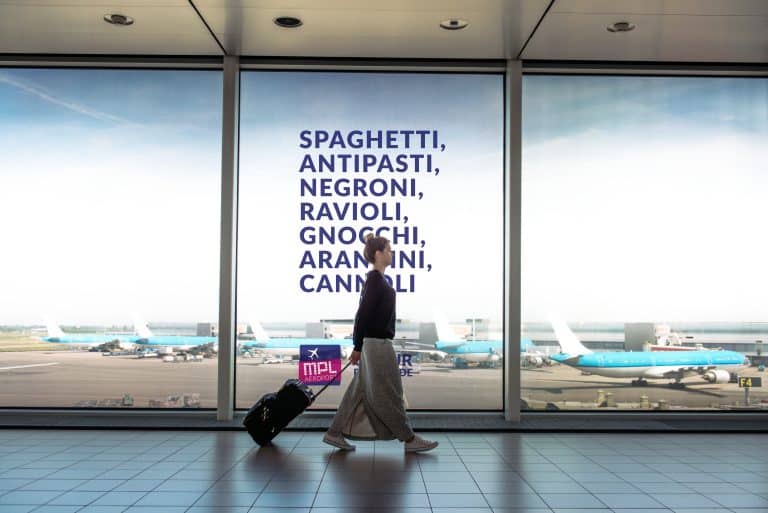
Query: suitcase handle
(331, 381)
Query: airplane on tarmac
(290, 346)
(486, 352)
(57, 336)
(182, 342)
(483, 352)
(713, 366)
(143, 338)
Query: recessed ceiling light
(288, 22)
(118, 19)
(621, 26)
(454, 24)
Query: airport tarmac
(83, 376)
(560, 383)
(67, 378)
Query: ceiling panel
(657, 37)
(375, 29)
(94, 3)
(77, 27)
(690, 7)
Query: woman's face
(385, 256)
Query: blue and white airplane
(57, 336)
(485, 352)
(146, 338)
(712, 366)
(291, 346)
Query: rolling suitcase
(275, 410)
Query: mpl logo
(319, 364)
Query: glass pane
(643, 254)
(300, 226)
(109, 205)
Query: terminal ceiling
(725, 31)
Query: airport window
(110, 223)
(326, 157)
(643, 261)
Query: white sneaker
(418, 444)
(338, 441)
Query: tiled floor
(148, 471)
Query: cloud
(75, 107)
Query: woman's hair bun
(368, 236)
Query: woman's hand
(355, 357)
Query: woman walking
(372, 407)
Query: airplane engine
(531, 360)
(717, 376)
(494, 358)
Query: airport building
(561, 309)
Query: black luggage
(274, 411)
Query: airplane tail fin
(569, 343)
(259, 333)
(53, 329)
(446, 336)
(141, 327)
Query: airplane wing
(684, 372)
(441, 354)
(402, 345)
(573, 360)
(420, 348)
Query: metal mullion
(109, 61)
(513, 97)
(228, 239)
(376, 65)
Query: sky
(643, 197)
(109, 201)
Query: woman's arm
(369, 300)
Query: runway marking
(28, 366)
